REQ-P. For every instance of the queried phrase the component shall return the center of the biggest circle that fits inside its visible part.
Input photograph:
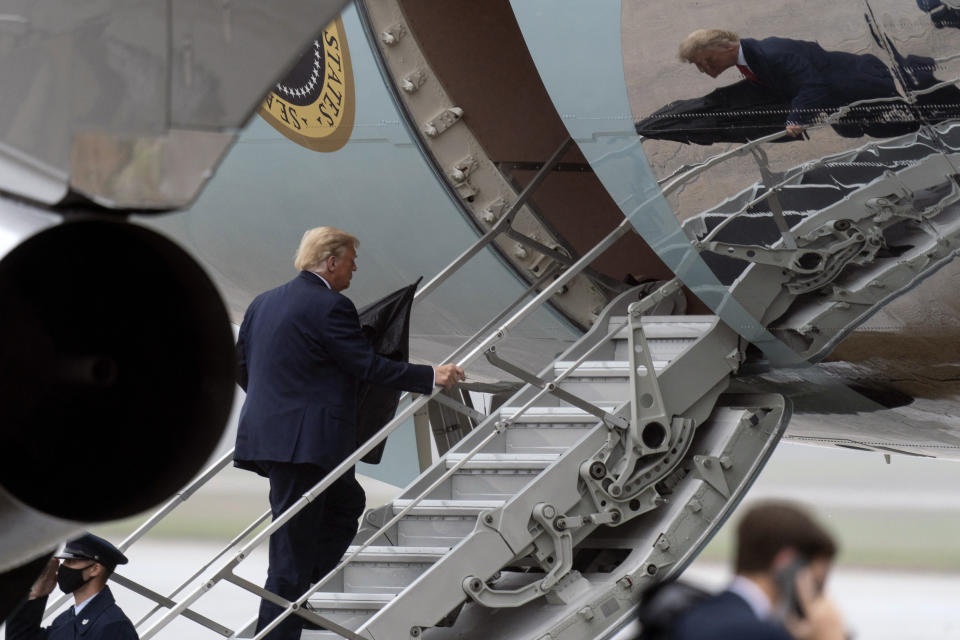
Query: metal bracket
(638, 494)
(610, 516)
(649, 430)
(612, 421)
(482, 593)
(711, 470)
(558, 255)
(811, 267)
(803, 261)
(653, 430)
(647, 407)
(413, 81)
(393, 34)
(443, 121)
(459, 176)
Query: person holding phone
(783, 558)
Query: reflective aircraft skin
(888, 385)
(433, 122)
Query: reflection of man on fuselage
(805, 75)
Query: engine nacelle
(116, 378)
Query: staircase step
(665, 327)
(350, 610)
(551, 415)
(533, 438)
(446, 508)
(666, 339)
(503, 461)
(544, 430)
(598, 380)
(600, 368)
(398, 555)
(493, 476)
(388, 569)
(439, 523)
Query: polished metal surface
(880, 392)
(115, 86)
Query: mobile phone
(786, 580)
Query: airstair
(549, 519)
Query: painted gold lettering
(338, 96)
(331, 40)
(335, 107)
(335, 59)
(327, 116)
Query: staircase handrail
(402, 416)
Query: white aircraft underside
(811, 285)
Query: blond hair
(320, 243)
(705, 39)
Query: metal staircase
(550, 518)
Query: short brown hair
(320, 243)
(770, 527)
(705, 39)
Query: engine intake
(116, 378)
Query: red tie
(749, 75)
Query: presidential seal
(313, 105)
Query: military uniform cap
(91, 547)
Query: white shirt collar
(322, 278)
(79, 607)
(741, 59)
(753, 595)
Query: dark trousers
(312, 542)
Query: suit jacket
(726, 616)
(812, 79)
(302, 356)
(101, 619)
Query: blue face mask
(69, 579)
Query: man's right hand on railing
(794, 130)
(447, 375)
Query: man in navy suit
(803, 74)
(302, 355)
(87, 562)
(782, 561)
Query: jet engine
(116, 378)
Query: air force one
(651, 316)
